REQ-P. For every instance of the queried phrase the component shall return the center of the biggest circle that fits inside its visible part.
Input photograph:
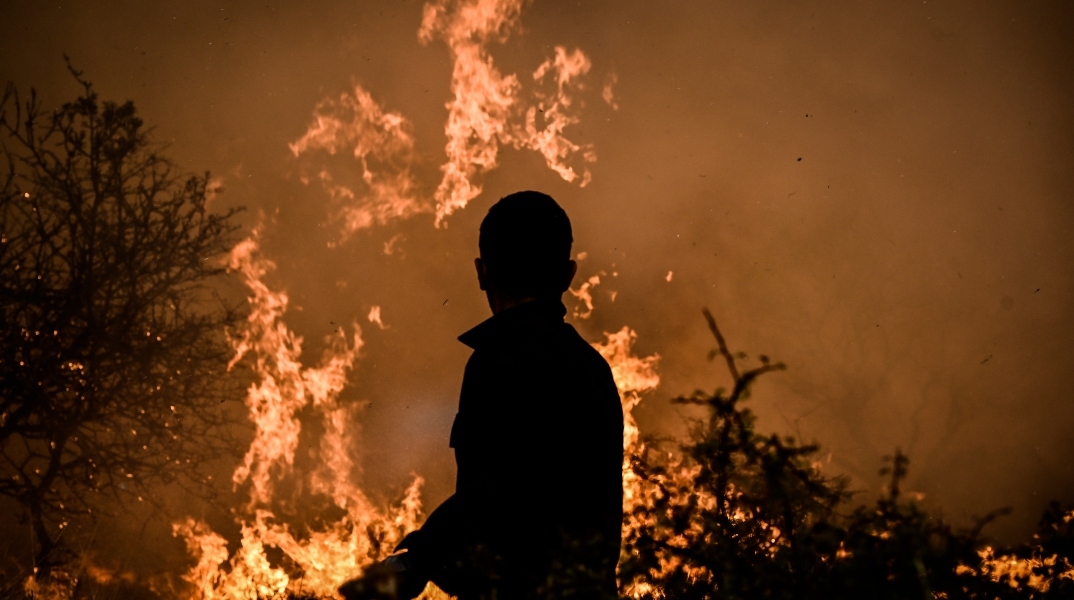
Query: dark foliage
(112, 347)
(735, 514)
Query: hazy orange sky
(876, 193)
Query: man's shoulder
(585, 349)
(561, 348)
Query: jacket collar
(516, 321)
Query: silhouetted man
(538, 438)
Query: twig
(722, 344)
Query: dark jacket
(538, 441)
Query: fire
(1019, 572)
(584, 295)
(382, 143)
(374, 317)
(633, 376)
(324, 558)
(487, 104)
(557, 113)
(488, 109)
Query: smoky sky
(876, 193)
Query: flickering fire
(1013, 570)
(487, 110)
(325, 558)
(487, 104)
(383, 145)
(584, 295)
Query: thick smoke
(873, 194)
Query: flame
(478, 114)
(374, 317)
(487, 110)
(1021, 572)
(633, 376)
(483, 113)
(584, 294)
(557, 113)
(286, 385)
(322, 558)
(383, 144)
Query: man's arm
(418, 559)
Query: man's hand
(389, 579)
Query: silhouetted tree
(112, 346)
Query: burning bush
(731, 513)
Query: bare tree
(112, 346)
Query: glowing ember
(1022, 572)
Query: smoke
(874, 195)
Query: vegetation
(111, 345)
(737, 514)
(111, 361)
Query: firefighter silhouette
(538, 438)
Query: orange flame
(482, 115)
(486, 111)
(382, 143)
(633, 376)
(1020, 572)
(584, 295)
(557, 113)
(324, 558)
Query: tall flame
(486, 107)
(319, 560)
(487, 110)
(633, 376)
(323, 558)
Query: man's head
(525, 247)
